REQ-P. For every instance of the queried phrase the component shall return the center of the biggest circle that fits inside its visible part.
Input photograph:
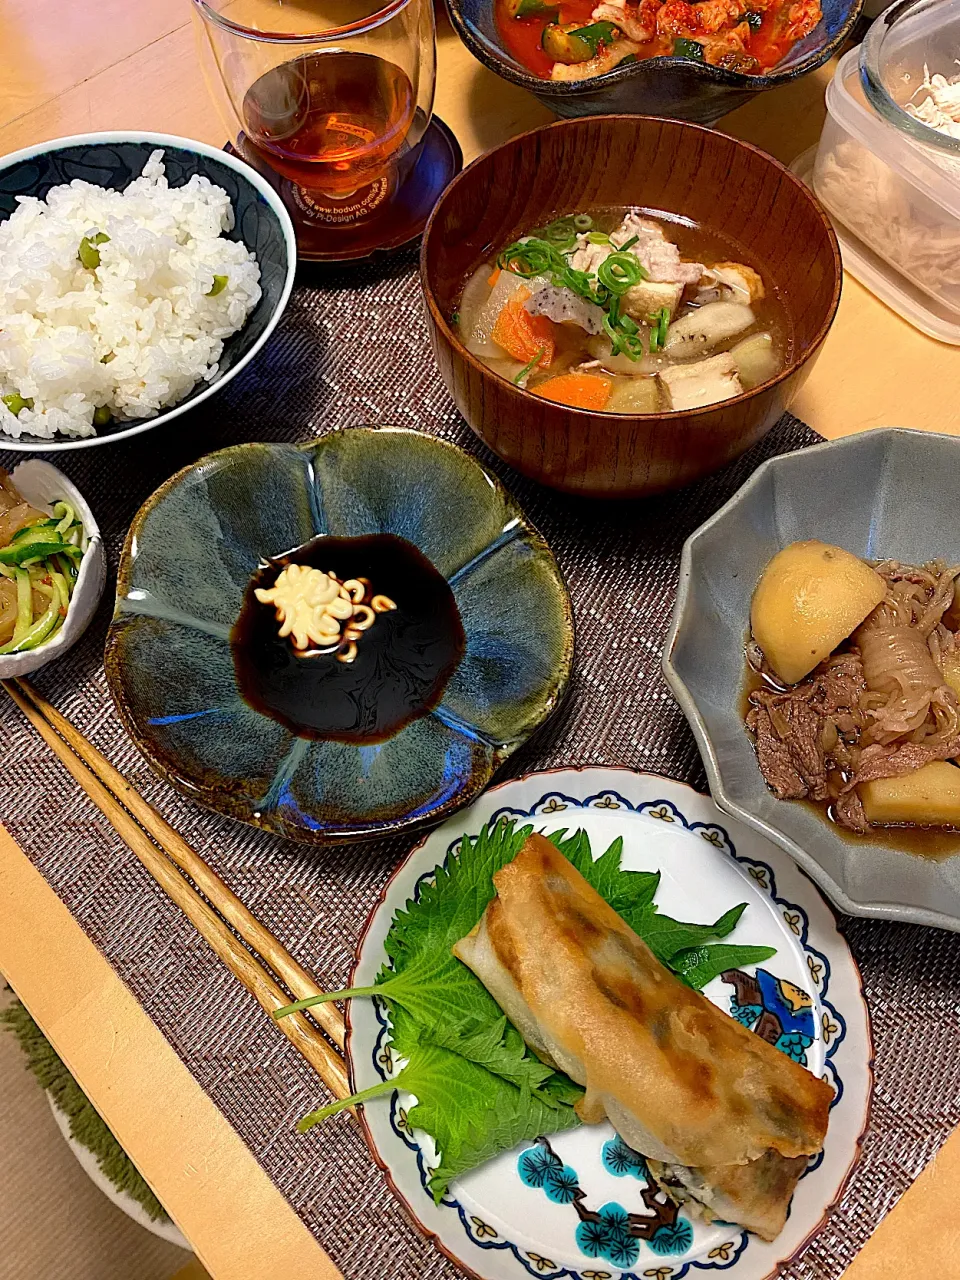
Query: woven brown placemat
(351, 349)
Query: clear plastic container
(859, 261)
(892, 181)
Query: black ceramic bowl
(674, 87)
(114, 160)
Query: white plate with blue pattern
(577, 1206)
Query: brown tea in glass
(336, 111)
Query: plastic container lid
(912, 41)
(934, 174)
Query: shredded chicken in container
(896, 218)
(940, 107)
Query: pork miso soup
(621, 312)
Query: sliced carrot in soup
(522, 335)
(578, 390)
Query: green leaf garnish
(701, 965)
(470, 1114)
(219, 284)
(666, 937)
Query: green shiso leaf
(665, 937)
(700, 965)
(479, 1089)
(470, 1114)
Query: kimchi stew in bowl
(577, 39)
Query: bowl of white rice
(139, 273)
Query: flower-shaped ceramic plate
(188, 558)
(517, 1216)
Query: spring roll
(725, 1120)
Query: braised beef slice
(775, 758)
(893, 761)
(789, 727)
(788, 747)
(848, 811)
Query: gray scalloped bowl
(113, 159)
(885, 493)
(188, 560)
(675, 87)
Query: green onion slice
(561, 234)
(620, 272)
(527, 368)
(88, 253)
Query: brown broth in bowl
(402, 663)
(701, 322)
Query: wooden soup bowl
(684, 169)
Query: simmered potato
(811, 597)
(928, 797)
(756, 358)
(634, 395)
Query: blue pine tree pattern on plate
(610, 1232)
(622, 1161)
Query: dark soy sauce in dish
(403, 661)
(933, 843)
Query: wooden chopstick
(288, 970)
(162, 851)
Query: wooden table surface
(71, 68)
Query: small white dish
(498, 1224)
(166, 1230)
(42, 485)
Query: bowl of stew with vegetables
(695, 61)
(626, 328)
